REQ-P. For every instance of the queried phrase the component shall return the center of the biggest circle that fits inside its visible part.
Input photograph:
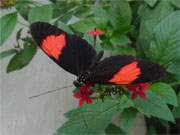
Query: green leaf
(7, 23)
(93, 119)
(23, 7)
(127, 119)
(22, 58)
(41, 13)
(120, 40)
(154, 106)
(64, 27)
(7, 53)
(89, 39)
(120, 13)
(165, 91)
(149, 18)
(176, 3)
(174, 68)
(176, 110)
(113, 130)
(124, 51)
(84, 25)
(165, 45)
(151, 3)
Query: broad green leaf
(84, 25)
(174, 68)
(41, 13)
(7, 25)
(22, 58)
(154, 106)
(64, 27)
(120, 40)
(101, 16)
(165, 91)
(23, 7)
(113, 130)
(127, 119)
(7, 53)
(176, 110)
(176, 3)
(93, 119)
(123, 51)
(120, 13)
(149, 18)
(151, 3)
(125, 102)
(165, 46)
(89, 39)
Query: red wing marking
(53, 45)
(126, 74)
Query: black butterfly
(76, 56)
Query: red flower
(95, 32)
(138, 89)
(84, 95)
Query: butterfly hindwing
(123, 70)
(71, 52)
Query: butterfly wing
(125, 70)
(70, 52)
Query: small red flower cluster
(85, 92)
(84, 95)
(138, 89)
(95, 32)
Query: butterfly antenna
(50, 91)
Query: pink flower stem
(94, 42)
(94, 39)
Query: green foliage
(151, 3)
(149, 18)
(165, 91)
(148, 29)
(84, 25)
(127, 119)
(35, 13)
(176, 3)
(7, 23)
(93, 119)
(64, 27)
(165, 45)
(120, 13)
(176, 110)
(154, 106)
(113, 130)
(22, 58)
(7, 53)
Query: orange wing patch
(53, 45)
(126, 74)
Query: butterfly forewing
(71, 52)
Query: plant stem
(23, 24)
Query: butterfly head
(82, 79)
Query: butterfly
(78, 57)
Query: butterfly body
(76, 56)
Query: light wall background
(20, 115)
